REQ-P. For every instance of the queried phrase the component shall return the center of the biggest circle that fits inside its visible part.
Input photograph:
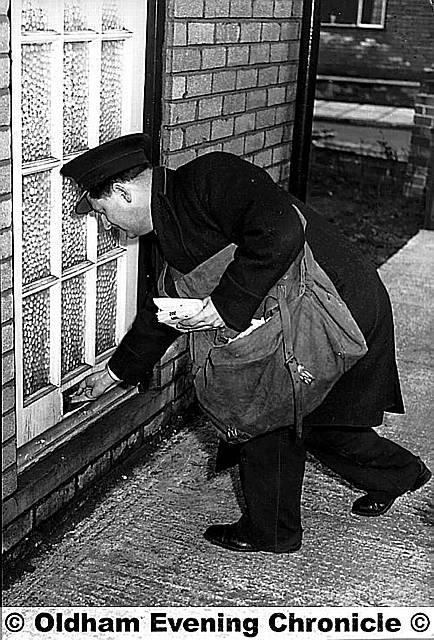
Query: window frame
(359, 24)
(41, 421)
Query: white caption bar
(328, 623)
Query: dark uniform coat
(218, 199)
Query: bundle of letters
(172, 310)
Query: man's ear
(122, 190)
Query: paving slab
(142, 544)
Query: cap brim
(83, 205)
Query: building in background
(197, 75)
(375, 51)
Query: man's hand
(207, 318)
(95, 385)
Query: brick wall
(422, 141)
(7, 319)
(231, 70)
(403, 50)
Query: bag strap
(290, 359)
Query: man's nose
(105, 223)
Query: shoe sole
(251, 550)
(424, 477)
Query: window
(78, 74)
(353, 13)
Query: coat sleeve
(258, 216)
(142, 346)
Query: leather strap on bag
(290, 359)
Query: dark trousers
(272, 469)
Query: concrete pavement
(140, 542)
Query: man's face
(126, 208)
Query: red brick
(177, 87)
(263, 8)
(216, 8)
(228, 33)
(297, 8)
(209, 148)
(7, 306)
(181, 112)
(265, 118)
(222, 128)
(5, 244)
(223, 81)
(213, 57)
(186, 60)
(54, 502)
(8, 367)
(257, 99)
(241, 8)
(234, 103)
(250, 32)
(238, 55)
(8, 398)
(289, 30)
(270, 31)
(199, 85)
(211, 107)
(283, 114)
(188, 8)
(8, 426)
(244, 123)
(6, 275)
(276, 95)
(282, 8)
(201, 33)
(17, 530)
(173, 139)
(179, 158)
(273, 136)
(4, 71)
(259, 53)
(5, 213)
(94, 470)
(5, 118)
(279, 52)
(254, 142)
(281, 153)
(263, 158)
(179, 34)
(5, 144)
(294, 50)
(234, 145)
(9, 453)
(4, 34)
(268, 75)
(5, 178)
(247, 78)
(197, 133)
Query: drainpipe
(305, 97)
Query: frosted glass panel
(36, 226)
(74, 238)
(106, 293)
(111, 90)
(75, 96)
(74, 16)
(112, 15)
(73, 323)
(34, 16)
(36, 342)
(36, 98)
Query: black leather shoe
(370, 506)
(228, 537)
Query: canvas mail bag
(282, 370)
